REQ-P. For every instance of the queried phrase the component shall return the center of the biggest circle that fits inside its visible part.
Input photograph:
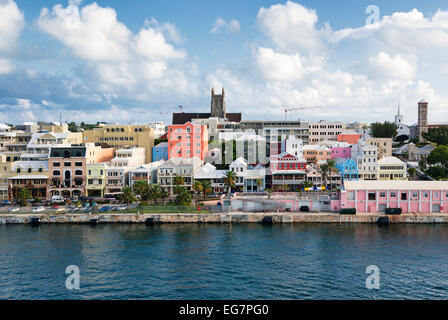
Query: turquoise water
(313, 261)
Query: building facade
(392, 168)
(288, 172)
(325, 130)
(187, 141)
(384, 146)
(411, 196)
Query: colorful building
(342, 150)
(288, 172)
(160, 152)
(96, 179)
(316, 153)
(31, 175)
(392, 168)
(410, 196)
(351, 137)
(187, 141)
(384, 146)
(124, 136)
(67, 170)
(325, 130)
(348, 169)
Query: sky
(138, 60)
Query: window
(56, 173)
(382, 194)
(393, 194)
(351, 196)
(78, 164)
(18, 170)
(56, 164)
(29, 170)
(67, 164)
(404, 196)
(372, 196)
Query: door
(436, 208)
(382, 208)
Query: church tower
(422, 118)
(218, 108)
(399, 117)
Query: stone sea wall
(236, 217)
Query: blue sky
(134, 60)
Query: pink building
(410, 196)
(288, 172)
(341, 150)
(187, 141)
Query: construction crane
(298, 108)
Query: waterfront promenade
(220, 218)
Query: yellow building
(384, 146)
(391, 168)
(95, 153)
(5, 173)
(124, 136)
(96, 179)
(55, 127)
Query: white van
(57, 199)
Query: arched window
(41, 170)
(78, 173)
(56, 172)
(112, 130)
(122, 129)
(30, 170)
(18, 170)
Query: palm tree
(229, 180)
(198, 187)
(206, 188)
(24, 195)
(141, 188)
(179, 181)
(154, 193)
(128, 196)
(324, 171)
(269, 191)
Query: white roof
(315, 147)
(239, 161)
(4, 126)
(341, 145)
(28, 176)
(208, 171)
(149, 167)
(390, 160)
(35, 165)
(396, 185)
(195, 162)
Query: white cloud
(220, 24)
(6, 67)
(278, 66)
(396, 67)
(125, 64)
(12, 22)
(291, 26)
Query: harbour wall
(220, 218)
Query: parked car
(6, 203)
(60, 210)
(104, 209)
(39, 209)
(14, 209)
(57, 199)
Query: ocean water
(244, 261)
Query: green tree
(72, 127)
(24, 195)
(155, 193)
(412, 173)
(127, 196)
(383, 130)
(183, 197)
(197, 188)
(436, 172)
(206, 188)
(439, 156)
(422, 164)
(437, 135)
(230, 180)
(402, 138)
(306, 184)
(179, 181)
(141, 188)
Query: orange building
(187, 141)
(316, 153)
(350, 137)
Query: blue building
(160, 152)
(348, 169)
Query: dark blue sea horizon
(240, 261)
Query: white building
(183, 167)
(325, 130)
(210, 173)
(367, 160)
(146, 172)
(159, 128)
(239, 166)
(117, 171)
(403, 129)
(294, 146)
